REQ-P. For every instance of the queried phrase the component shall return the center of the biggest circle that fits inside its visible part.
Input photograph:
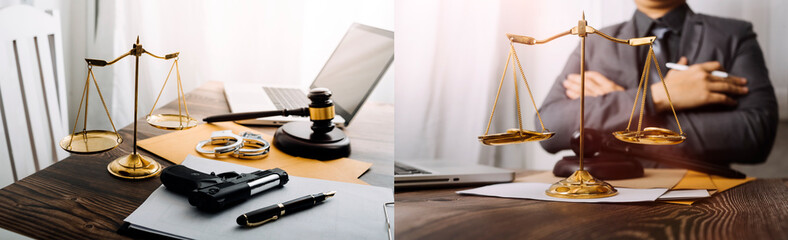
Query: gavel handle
(303, 112)
(676, 161)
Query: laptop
(409, 174)
(351, 73)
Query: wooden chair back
(33, 112)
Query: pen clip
(254, 224)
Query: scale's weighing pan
(171, 121)
(93, 141)
(514, 135)
(651, 136)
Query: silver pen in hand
(680, 67)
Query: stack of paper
(669, 185)
(355, 212)
(536, 191)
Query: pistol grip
(184, 180)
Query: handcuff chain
(233, 145)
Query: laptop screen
(355, 67)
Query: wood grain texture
(756, 210)
(77, 198)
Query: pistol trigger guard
(226, 175)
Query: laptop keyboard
(287, 98)
(406, 170)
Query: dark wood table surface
(755, 210)
(77, 197)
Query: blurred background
(278, 42)
(451, 54)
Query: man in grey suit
(726, 120)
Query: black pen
(303, 112)
(274, 212)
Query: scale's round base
(171, 121)
(650, 136)
(514, 135)
(93, 141)
(298, 139)
(581, 185)
(134, 166)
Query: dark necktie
(661, 51)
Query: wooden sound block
(298, 139)
(605, 167)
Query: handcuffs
(233, 145)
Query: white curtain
(451, 56)
(444, 63)
(277, 42)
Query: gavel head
(321, 110)
(592, 143)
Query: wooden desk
(78, 198)
(755, 210)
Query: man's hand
(596, 85)
(696, 87)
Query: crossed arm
(726, 120)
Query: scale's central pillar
(134, 165)
(581, 184)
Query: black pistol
(214, 192)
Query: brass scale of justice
(133, 165)
(581, 184)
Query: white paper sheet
(536, 191)
(685, 194)
(355, 212)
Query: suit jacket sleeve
(745, 133)
(606, 113)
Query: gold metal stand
(90, 141)
(172, 121)
(650, 135)
(515, 135)
(581, 184)
(134, 165)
